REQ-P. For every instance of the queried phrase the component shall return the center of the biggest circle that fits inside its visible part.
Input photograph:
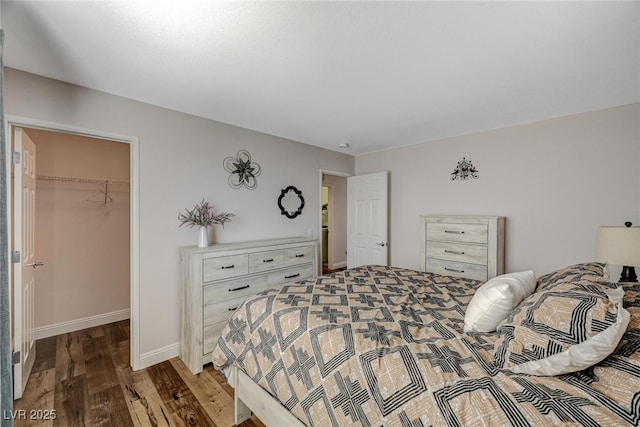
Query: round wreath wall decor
(243, 171)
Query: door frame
(134, 209)
(320, 184)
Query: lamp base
(628, 274)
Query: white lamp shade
(619, 245)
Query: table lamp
(620, 246)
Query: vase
(203, 237)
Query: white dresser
(217, 279)
(463, 246)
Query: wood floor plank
(210, 394)
(148, 400)
(118, 332)
(101, 374)
(37, 400)
(220, 379)
(69, 358)
(109, 408)
(72, 403)
(89, 382)
(91, 333)
(177, 396)
(45, 354)
(137, 409)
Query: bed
(385, 346)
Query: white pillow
(494, 300)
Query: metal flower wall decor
(243, 171)
(464, 170)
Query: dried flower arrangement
(203, 215)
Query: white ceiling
(372, 74)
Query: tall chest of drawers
(463, 246)
(217, 279)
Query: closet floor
(84, 378)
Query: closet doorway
(333, 221)
(86, 230)
(82, 231)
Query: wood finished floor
(85, 377)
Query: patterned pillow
(563, 329)
(589, 270)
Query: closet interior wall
(82, 231)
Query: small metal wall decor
(243, 171)
(464, 170)
(290, 202)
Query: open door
(367, 206)
(24, 264)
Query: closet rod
(82, 180)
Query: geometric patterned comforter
(384, 346)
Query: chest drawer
(211, 336)
(295, 256)
(264, 261)
(222, 291)
(220, 311)
(468, 233)
(457, 269)
(461, 252)
(224, 267)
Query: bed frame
(251, 398)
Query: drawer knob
(454, 252)
(239, 288)
(268, 260)
(454, 231)
(292, 276)
(224, 267)
(455, 270)
(300, 256)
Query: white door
(367, 213)
(24, 224)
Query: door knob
(381, 244)
(35, 264)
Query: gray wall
(556, 181)
(180, 163)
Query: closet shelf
(81, 180)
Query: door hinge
(15, 257)
(15, 157)
(15, 357)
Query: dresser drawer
(460, 252)
(295, 256)
(224, 267)
(457, 269)
(221, 311)
(230, 289)
(211, 336)
(265, 261)
(468, 233)
(292, 274)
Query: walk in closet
(82, 232)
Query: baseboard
(161, 354)
(78, 324)
(338, 265)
